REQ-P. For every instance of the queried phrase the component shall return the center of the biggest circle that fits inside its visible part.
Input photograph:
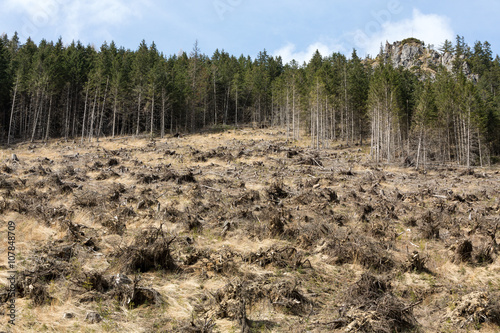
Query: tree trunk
(85, 113)
(114, 112)
(92, 118)
(12, 111)
(48, 120)
(236, 111)
(372, 142)
(287, 115)
(103, 107)
(480, 152)
(424, 148)
(468, 137)
(171, 120)
(298, 124)
(67, 117)
(317, 115)
(75, 108)
(38, 110)
(152, 113)
(293, 112)
(418, 150)
(162, 112)
(226, 106)
(215, 102)
(138, 113)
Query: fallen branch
(411, 306)
(212, 188)
(317, 162)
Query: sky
(292, 29)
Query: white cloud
(97, 16)
(289, 52)
(430, 28)
(34, 8)
(74, 19)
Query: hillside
(240, 231)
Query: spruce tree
(5, 85)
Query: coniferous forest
(416, 116)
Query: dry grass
(283, 233)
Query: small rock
(14, 158)
(93, 317)
(68, 315)
(121, 279)
(141, 204)
(225, 228)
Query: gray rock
(410, 55)
(466, 69)
(414, 55)
(447, 61)
(68, 315)
(122, 279)
(93, 317)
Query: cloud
(289, 52)
(96, 15)
(73, 18)
(430, 28)
(33, 8)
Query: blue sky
(293, 29)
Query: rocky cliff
(414, 56)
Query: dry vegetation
(242, 232)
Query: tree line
(52, 90)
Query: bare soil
(242, 231)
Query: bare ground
(242, 232)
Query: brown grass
(292, 238)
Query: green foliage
(426, 111)
(412, 40)
(5, 83)
(447, 47)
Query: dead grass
(240, 230)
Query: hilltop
(413, 55)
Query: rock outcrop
(414, 56)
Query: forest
(78, 92)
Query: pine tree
(423, 118)
(5, 85)
(357, 85)
(384, 109)
(140, 70)
(447, 47)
